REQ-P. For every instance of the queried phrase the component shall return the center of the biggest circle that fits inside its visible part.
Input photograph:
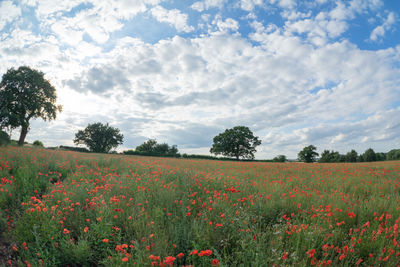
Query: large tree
(351, 156)
(26, 94)
(308, 154)
(236, 142)
(147, 147)
(98, 137)
(369, 155)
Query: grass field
(64, 208)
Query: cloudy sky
(321, 72)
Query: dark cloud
(152, 100)
(100, 80)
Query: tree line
(309, 154)
(25, 94)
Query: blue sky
(324, 72)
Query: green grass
(77, 209)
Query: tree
(99, 138)
(308, 154)
(236, 142)
(148, 146)
(326, 156)
(279, 158)
(332, 156)
(4, 138)
(151, 147)
(380, 156)
(393, 154)
(26, 94)
(351, 156)
(38, 143)
(369, 155)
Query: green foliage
(4, 138)
(71, 148)
(351, 156)
(38, 143)
(331, 156)
(380, 156)
(308, 154)
(393, 154)
(26, 94)
(236, 142)
(369, 155)
(280, 158)
(99, 138)
(148, 146)
(152, 148)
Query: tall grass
(67, 208)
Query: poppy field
(62, 208)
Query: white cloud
(67, 34)
(98, 18)
(202, 80)
(48, 7)
(287, 3)
(249, 5)
(379, 31)
(226, 25)
(331, 24)
(300, 84)
(207, 4)
(361, 6)
(173, 17)
(8, 12)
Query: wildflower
(194, 252)
(154, 258)
(205, 253)
(180, 255)
(170, 260)
(215, 262)
(351, 214)
(125, 259)
(105, 240)
(66, 231)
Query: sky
(320, 72)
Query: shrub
(38, 143)
(279, 158)
(4, 138)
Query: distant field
(63, 208)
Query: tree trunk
(24, 131)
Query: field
(63, 208)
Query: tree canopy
(352, 156)
(236, 142)
(26, 94)
(308, 154)
(151, 147)
(331, 156)
(279, 158)
(98, 137)
(393, 154)
(369, 155)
